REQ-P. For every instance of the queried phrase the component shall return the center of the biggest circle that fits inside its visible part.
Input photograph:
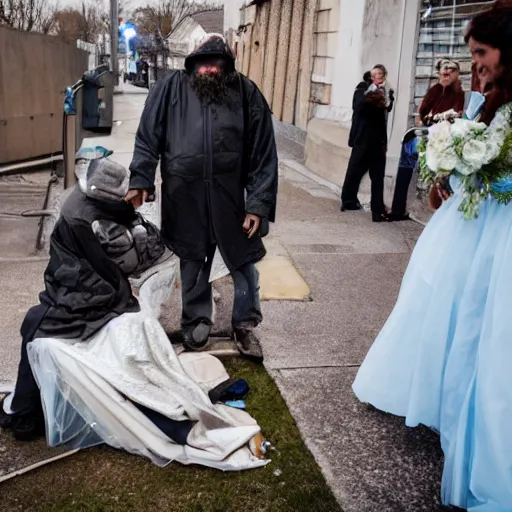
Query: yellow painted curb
(280, 280)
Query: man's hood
(213, 45)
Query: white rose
(450, 160)
(474, 126)
(474, 153)
(493, 150)
(500, 121)
(441, 158)
(460, 129)
(439, 130)
(431, 159)
(440, 154)
(465, 169)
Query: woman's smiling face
(487, 59)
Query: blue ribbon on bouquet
(475, 105)
(502, 186)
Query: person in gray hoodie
(97, 243)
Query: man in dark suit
(368, 140)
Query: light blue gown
(444, 357)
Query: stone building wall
(278, 47)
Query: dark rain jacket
(84, 287)
(215, 167)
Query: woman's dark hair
(367, 77)
(493, 27)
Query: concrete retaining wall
(34, 71)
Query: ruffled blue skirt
(444, 357)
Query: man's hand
(485, 80)
(438, 193)
(137, 197)
(251, 224)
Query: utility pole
(114, 39)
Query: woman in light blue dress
(444, 357)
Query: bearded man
(211, 129)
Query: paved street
(313, 348)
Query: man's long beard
(214, 87)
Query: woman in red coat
(446, 95)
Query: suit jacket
(369, 120)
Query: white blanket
(84, 386)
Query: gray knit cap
(107, 180)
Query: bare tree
(67, 25)
(84, 23)
(28, 15)
(163, 17)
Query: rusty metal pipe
(7, 169)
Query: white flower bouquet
(479, 155)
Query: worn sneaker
(249, 345)
(28, 428)
(195, 339)
(23, 427)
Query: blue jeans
(197, 293)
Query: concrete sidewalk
(21, 267)
(313, 348)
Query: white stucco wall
(232, 14)
(374, 32)
(184, 41)
(347, 68)
(401, 72)
(392, 43)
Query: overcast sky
(130, 4)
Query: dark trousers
(403, 180)
(27, 398)
(178, 431)
(197, 293)
(362, 160)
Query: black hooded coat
(215, 167)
